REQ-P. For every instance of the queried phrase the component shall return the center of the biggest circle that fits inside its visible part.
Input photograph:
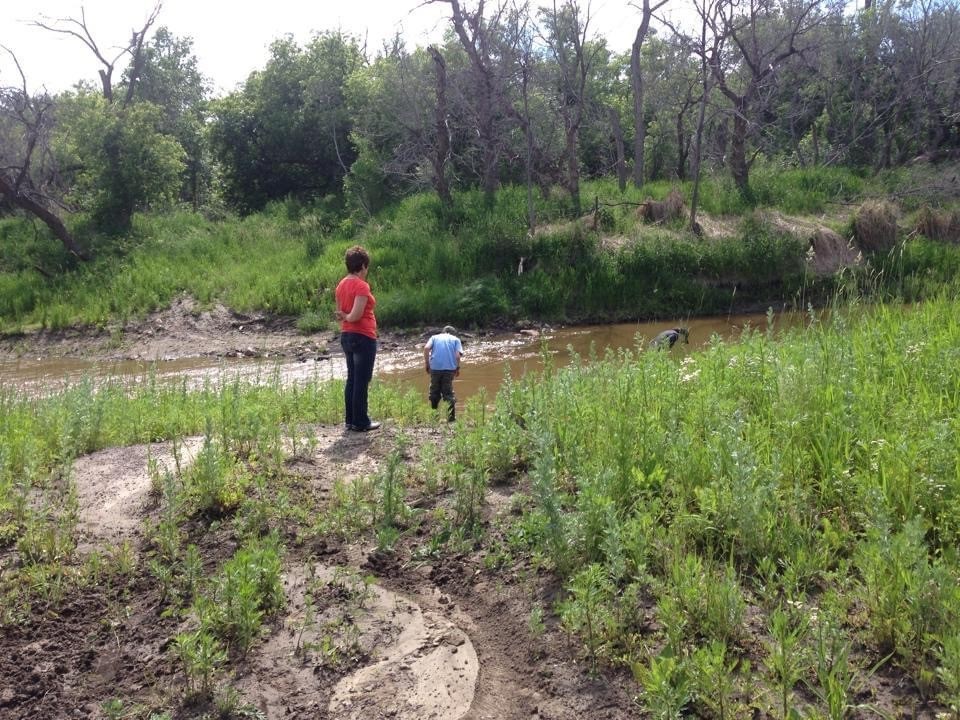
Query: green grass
(460, 267)
(814, 471)
(794, 499)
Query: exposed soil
(439, 638)
(182, 330)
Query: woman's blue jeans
(360, 353)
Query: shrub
(482, 301)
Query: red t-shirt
(347, 291)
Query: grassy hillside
(608, 265)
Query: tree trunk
(621, 151)
(636, 83)
(738, 151)
(442, 144)
(573, 169)
(698, 146)
(528, 165)
(639, 123)
(53, 222)
(683, 147)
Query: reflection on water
(484, 365)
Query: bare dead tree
(748, 48)
(707, 11)
(79, 29)
(636, 82)
(25, 154)
(567, 37)
(475, 31)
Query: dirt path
(364, 635)
(113, 488)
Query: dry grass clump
(670, 208)
(875, 226)
(829, 252)
(941, 225)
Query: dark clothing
(360, 353)
(441, 385)
(668, 338)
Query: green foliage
(200, 655)
(588, 608)
(478, 268)
(948, 671)
(910, 599)
(285, 133)
(666, 683)
(785, 658)
(120, 158)
(481, 301)
(248, 588)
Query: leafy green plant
(200, 656)
(714, 679)
(786, 657)
(391, 489)
(667, 685)
(587, 610)
(246, 589)
(948, 672)
(113, 708)
(838, 681)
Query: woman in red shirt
(358, 337)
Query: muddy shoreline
(184, 331)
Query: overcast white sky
(231, 38)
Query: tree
(566, 34)
(77, 28)
(286, 133)
(707, 10)
(476, 34)
(28, 171)
(636, 82)
(442, 152)
(117, 160)
(749, 46)
(170, 79)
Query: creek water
(486, 359)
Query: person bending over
(668, 338)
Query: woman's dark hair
(357, 259)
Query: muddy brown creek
(486, 359)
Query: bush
(482, 301)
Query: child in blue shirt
(441, 355)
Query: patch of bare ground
(113, 488)
(444, 640)
(718, 227)
(185, 329)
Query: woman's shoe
(372, 426)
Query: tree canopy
(515, 94)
